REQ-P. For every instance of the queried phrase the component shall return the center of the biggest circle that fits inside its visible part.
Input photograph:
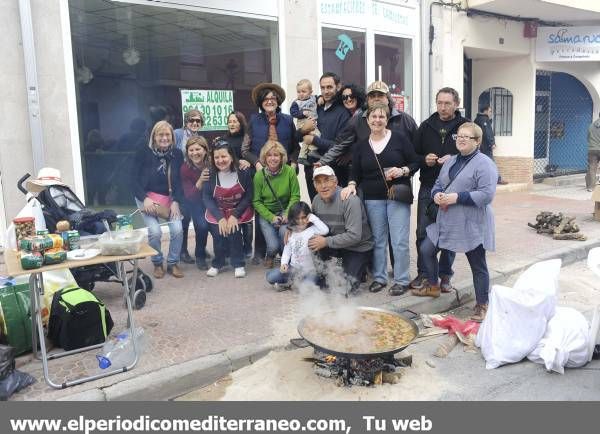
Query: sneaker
(240, 272)
(480, 311)
(257, 259)
(427, 291)
(159, 272)
(502, 182)
(212, 272)
(445, 284)
(418, 282)
(201, 264)
(186, 258)
(376, 286)
(174, 271)
(398, 289)
(280, 287)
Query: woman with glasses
(158, 193)
(193, 121)
(228, 199)
(463, 191)
(268, 124)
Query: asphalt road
(284, 375)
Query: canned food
(42, 232)
(124, 223)
(54, 256)
(31, 260)
(72, 240)
(24, 227)
(35, 244)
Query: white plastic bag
(517, 317)
(33, 208)
(565, 343)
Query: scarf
(164, 158)
(272, 119)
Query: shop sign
(568, 44)
(398, 101)
(382, 16)
(215, 105)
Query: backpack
(78, 319)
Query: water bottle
(118, 352)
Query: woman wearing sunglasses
(353, 98)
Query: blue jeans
(155, 234)
(274, 275)
(273, 236)
(477, 262)
(197, 210)
(232, 245)
(447, 257)
(383, 215)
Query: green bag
(15, 317)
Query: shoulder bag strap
(379, 165)
(459, 170)
(272, 191)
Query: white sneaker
(212, 272)
(240, 272)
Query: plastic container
(24, 227)
(120, 243)
(118, 351)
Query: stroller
(60, 203)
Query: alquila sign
(567, 44)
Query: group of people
(359, 155)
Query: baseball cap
(378, 86)
(323, 170)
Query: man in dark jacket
(488, 141)
(435, 142)
(332, 117)
(357, 129)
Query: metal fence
(563, 113)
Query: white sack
(565, 343)
(516, 318)
(32, 209)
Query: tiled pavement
(186, 319)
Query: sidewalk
(201, 328)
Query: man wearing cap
(332, 116)
(435, 142)
(359, 131)
(350, 236)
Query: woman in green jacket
(276, 189)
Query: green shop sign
(215, 105)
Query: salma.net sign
(568, 44)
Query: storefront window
(131, 63)
(393, 64)
(344, 54)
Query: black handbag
(398, 192)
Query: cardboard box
(596, 199)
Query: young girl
(296, 260)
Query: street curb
(168, 383)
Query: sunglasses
(195, 121)
(347, 97)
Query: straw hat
(271, 86)
(47, 176)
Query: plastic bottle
(118, 352)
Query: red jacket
(189, 175)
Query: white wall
(516, 74)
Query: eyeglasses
(466, 137)
(195, 121)
(220, 144)
(347, 97)
(270, 98)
